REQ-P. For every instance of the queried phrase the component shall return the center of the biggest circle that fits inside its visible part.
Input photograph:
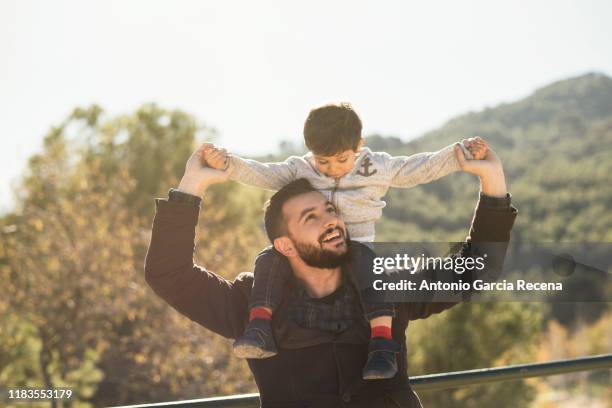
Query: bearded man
(317, 365)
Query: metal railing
(426, 382)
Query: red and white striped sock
(260, 313)
(381, 332)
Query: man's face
(317, 233)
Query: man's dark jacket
(314, 368)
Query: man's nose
(331, 220)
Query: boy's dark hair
(274, 220)
(332, 128)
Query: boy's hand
(477, 147)
(215, 157)
(489, 170)
(198, 176)
(477, 167)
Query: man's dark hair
(331, 129)
(274, 220)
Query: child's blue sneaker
(381, 359)
(257, 340)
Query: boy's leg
(266, 292)
(270, 273)
(383, 349)
(381, 327)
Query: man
(315, 366)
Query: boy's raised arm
(420, 168)
(269, 176)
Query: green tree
(73, 254)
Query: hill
(556, 148)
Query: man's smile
(333, 236)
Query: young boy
(354, 179)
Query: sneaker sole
(250, 351)
(377, 375)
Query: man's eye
(331, 210)
(310, 217)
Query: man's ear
(284, 245)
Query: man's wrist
(176, 195)
(192, 186)
(495, 203)
(493, 183)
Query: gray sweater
(358, 194)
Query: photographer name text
(478, 285)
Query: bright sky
(252, 69)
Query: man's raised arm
(204, 297)
(490, 229)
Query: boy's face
(338, 165)
(335, 166)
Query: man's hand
(477, 146)
(489, 169)
(198, 176)
(215, 157)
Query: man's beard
(319, 257)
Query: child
(354, 179)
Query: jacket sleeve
(489, 234)
(420, 168)
(216, 303)
(269, 176)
